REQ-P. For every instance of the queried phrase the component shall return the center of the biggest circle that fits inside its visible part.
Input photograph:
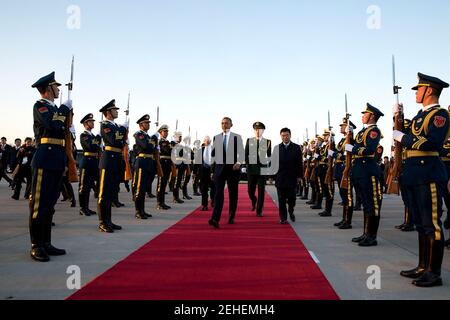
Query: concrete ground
(343, 263)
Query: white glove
(72, 130)
(330, 153)
(397, 108)
(68, 104)
(126, 124)
(349, 148)
(316, 155)
(398, 135)
(244, 170)
(308, 157)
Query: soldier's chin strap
(53, 92)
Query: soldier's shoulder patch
(106, 130)
(373, 134)
(439, 121)
(141, 136)
(43, 109)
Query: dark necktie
(224, 149)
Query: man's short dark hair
(285, 130)
(28, 139)
(228, 118)
(3, 138)
(17, 139)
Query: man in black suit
(228, 154)
(290, 172)
(258, 150)
(5, 155)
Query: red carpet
(254, 259)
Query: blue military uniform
(445, 157)
(325, 190)
(425, 179)
(179, 153)
(114, 138)
(88, 166)
(346, 194)
(365, 177)
(146, 148)
(48, 165)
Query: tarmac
(344, 264)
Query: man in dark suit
(5, 155)
(290, 172)
(228, 154)
(257, 153)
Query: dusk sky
(285, 63)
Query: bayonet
(70, 84)
(396, 88)
(157, 118)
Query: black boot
(371, 239)
(363, 236)
(305, 194)
(38, 253)
(432, 276)
(139, 209)
(348, 218)
(176, 196)
(103, 216)
(185, 194)
(423, 262)
(49, 248)
(110, 223)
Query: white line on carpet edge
(314, 257)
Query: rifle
(72, 173)
(394, 173)
(315, 163)
(348, 155)
(157, 118)
(127, 176)
(329, 176)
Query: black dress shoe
(15, 197)
(357, 209)
(204, 208)
(160, 207)
(115, 226)
(400, 226)
(178, 201)
(413, 273)
(166, 206)
(428, 280)
(117, 204)
(213, 223)
(39, 254)
(148, 215)
(310, 202)
(231, 221)
(105, 228)
(259, 215)
(316, 207)
(407, 228)
(304, 198)
(73, 204)
(52, 251)
(140, 216)
(292, 216)
(197, 194)
(84, 212)
(345, 226)
(151, 195)
(92, 212)
(53, 224)
(254, 205)
(187, 197)
(368, 242)
(338, 224)
(325, 214)
(283, 222)
(359, 239)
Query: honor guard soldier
(365, 174)
(445, 157)
(114, 138)
(196, 168)
(165, 151)
(258, 151)
(48, 165)
(146, 149)
(181, 167)
(309, 170)
(304, 185)
(88, 164)
(425, 178)
(325, 190)
(187, 159)
(346, 194)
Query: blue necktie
(224, 149)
